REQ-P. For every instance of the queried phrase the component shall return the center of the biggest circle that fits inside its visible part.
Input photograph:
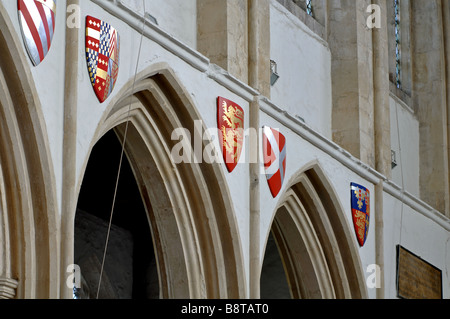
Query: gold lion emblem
(232, 135)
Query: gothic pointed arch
(29, 260)
(192, 222)
(320, 259)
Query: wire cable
(121, 155)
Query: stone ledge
(401, 95)
(301, 14)
(155, 33)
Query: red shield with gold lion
(230, 121)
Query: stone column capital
(8, 288)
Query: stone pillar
(320, 11)
(381, 94)
(8, 285)
(222, 34)
(429, 98)
(259, 45)
(350, 42)
(382, 131)
(446, 28)
(69, 199)
(259, 79)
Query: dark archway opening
(273, 283)
(130, 269)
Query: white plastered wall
(178, 18)
(405, 144)
(304, 66)
(416, 231)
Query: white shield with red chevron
(37, 22)
(102, 56)
(274, 148)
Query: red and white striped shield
(274, 147)
(37, 21)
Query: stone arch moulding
(191, 216)
(29, 266)
(319, 255)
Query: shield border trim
(274, 191)
(37, 57)
(220, 100)
(113, 65)
(361, 241)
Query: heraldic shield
(37, 23)
(230, 121)
(360, 211)
(102, 55)
(274, 148)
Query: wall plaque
(416, 278)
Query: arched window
(309, 8)
(399, 34)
